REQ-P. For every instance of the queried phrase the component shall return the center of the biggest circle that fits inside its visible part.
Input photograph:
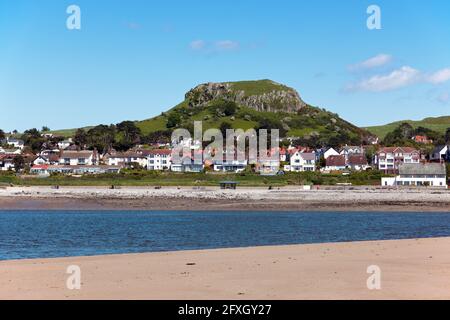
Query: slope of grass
(439, 124)
(257, 87)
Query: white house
(303, 161)
(440, 153)
(65, 144)
(358, 162)
(330, 152)
(389, 158)
(159, 159)
(6, 162)
(230, 166)
(418, 174)
(78, 158)
(335, 163)
(16, 143)
(187, 165)
(126, 159)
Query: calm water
(37, 234)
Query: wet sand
(410, 269)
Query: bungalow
(16, 143)
(159, 159)
(78, 158)
(418, 174)
(126, 159)
(187, 164)
(440, 153)
(6, 162)
(302, 161)
(230, 166)
(388, 159)
(40, 169)
(358, 162)
(268, 167)
(335, 163)
(83, 169)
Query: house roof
(40, 166)
(76, 154)
(398, 150)
(335, 161)
(438, 149)
(308, 156)
(159, 151)
(357, 159)
(422, 168)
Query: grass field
(148, 178)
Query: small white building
(230, 166)
(159, 159)
(419, 175)
(65, 144)
(16, 143)
(302, 161)
(335, 163)
(268, 167)
(78, 158)
(6, 162)
(358, 162)
(187, 164)
(126, 159)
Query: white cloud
(374, 62)
(197, 45)
(438, 77)
(397, 79)
(226, 45)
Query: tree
(80, 138)
(129, 135)
(173, 120)
(101, 137)
(45, 129)
(229, 108)
(447, 136)
(33, 139)
(2, 135)
(19, 163)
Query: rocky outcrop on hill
(272, 98)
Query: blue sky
(133, 59)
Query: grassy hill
(439, 124)
(262, 103)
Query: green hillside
(252, 104)
(439, 124)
